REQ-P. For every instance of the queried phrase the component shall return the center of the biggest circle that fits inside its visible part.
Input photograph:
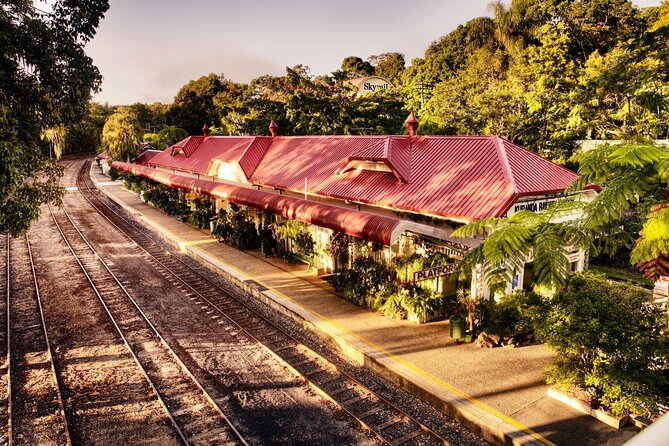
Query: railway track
(4, 347)
(193, 413)
(389, 423)
(35, 410)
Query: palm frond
(637, 156)
(663, 169)
(526, 218)
(619, 195)
(593, 164)
(551, 265)
(563, 209)
(654, 241)
(579, 184)
(483, 227)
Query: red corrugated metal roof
(253, 154)
(209, 148)
(375, 228)
(458, 177)
(146, 156)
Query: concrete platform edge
(478, 419)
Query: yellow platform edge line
(418, 370)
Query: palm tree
(120, 136)
(635, 178)
(171, 134)
(56, 138)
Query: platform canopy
(366, 225)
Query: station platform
(499, 393)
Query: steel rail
(298, 344)
(68, 438)
(125, 341)
(47, 342)
(153, 328)
(8, 360)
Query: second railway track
(194, 414)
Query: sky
(146, 50)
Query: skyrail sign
(435, 272)
(373, 84)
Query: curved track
(389, 423)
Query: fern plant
(634, 178)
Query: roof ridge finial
(411, 124)
(205, 130)
(273, 129)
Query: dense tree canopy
(46, 80)
(543, 74)
(120, 136)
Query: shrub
(116, 174)
(611, 341)
(203, 213)
(235, 228)
(361, 283)
(513, 314)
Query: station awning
(373, 227)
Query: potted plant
(469, 305)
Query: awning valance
(376, 228)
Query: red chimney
(205, 129)
(411, 124)
(273, 129)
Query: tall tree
(46, 79)
(55, 136)
(388, 65)
(120, 136)
(352, 67)
(194, 103)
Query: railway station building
(401, 194)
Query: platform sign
(432, 273)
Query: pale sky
(147, 50)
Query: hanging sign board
(531, 205)
(437, 271)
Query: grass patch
(622, 274)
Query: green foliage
(405, 266)
(515, 314)
(393, 298)
(609, 339)
(338, 248)
(203, 212)
(236, 228)
(363, 281)
(194, 104)
(170, 135)
(120, 135)
(163, 197)
(55, 136)
(510, 242)
(388, 65)
(633, 181)
(401, 301)
(46, 81)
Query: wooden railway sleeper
(408, 437)
(393, 420)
